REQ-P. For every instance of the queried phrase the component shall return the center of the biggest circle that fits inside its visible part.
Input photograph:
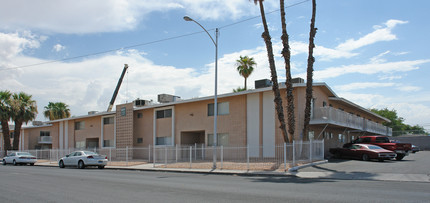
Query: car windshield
(23, 154)
(374, 147)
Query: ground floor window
(341, 138)
(222, 139)
(108, 143)
(163, 141)
(80, 145)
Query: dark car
(364, 152)
(415, 149)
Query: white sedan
(19, 158)
(81, 159)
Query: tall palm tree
(310, 70)
(274, 77)
(286, 53)
(24, 109)
(5, 115)
(57, 110)
(245, 67)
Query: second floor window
(108, 120)
(45, 133)
(167, 113)
(80, 125)
(223, 109)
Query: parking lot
(418, 163)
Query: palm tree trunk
(289, 89)
(275, 86)
(245, 83)
(6, 138)
(17, 133)
(310, 70)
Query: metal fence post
(247, 157)
(165, 156)
(110, 154)
(126, 155)
(294, 153)
(203, 151)
(285, 156)
(191, 155)
(154, 158)
(222, 155)
(149, 153)
(310, 151)
(176, 153)
(195, 151)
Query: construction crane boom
(115, 93)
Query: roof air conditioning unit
(141, 102)
(297, 80)
(262, 83)
(167, 98)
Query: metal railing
(44, 140)
(331, 115)
(279, 157)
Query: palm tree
(310, 70)
(289, 86)
(245, 67)
(5, 115)
(274, 77)
(24, 109)
(57, 110)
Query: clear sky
(373, 53)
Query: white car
(19, 158)
(81, 159)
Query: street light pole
(215, 136)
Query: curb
(289, 172)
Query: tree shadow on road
(290, 179)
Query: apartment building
(245, 118)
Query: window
(167, 113)
(382, 140)
(311, 135)
(324, 103)
(108, 143)
(341, 138)
(107, 121)
(80, 145)
(163, 140)
(44, 133)
(139, 115)
(223, 109)
(222, 139)
(139, 140)
(123, 111)
(79, 125)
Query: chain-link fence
(199, 156)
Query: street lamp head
(186, 18)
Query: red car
(364, 152)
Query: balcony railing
(45, 140)
(329, 115)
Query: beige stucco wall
(142, 127)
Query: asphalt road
(418, 163)
(46, 184)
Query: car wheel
(4, 162)
(365, 157)
(399, 157)
(14, 162)
(31, 164)
(81, 164)
(337, 155)
(61, 164)
(101, 167)
(381, 160)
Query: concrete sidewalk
(295, 172)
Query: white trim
(269, 128)
(155, 125)
(253, 124)
(102, 132)
(66, 134)
(61, 134)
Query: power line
(147, 43)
